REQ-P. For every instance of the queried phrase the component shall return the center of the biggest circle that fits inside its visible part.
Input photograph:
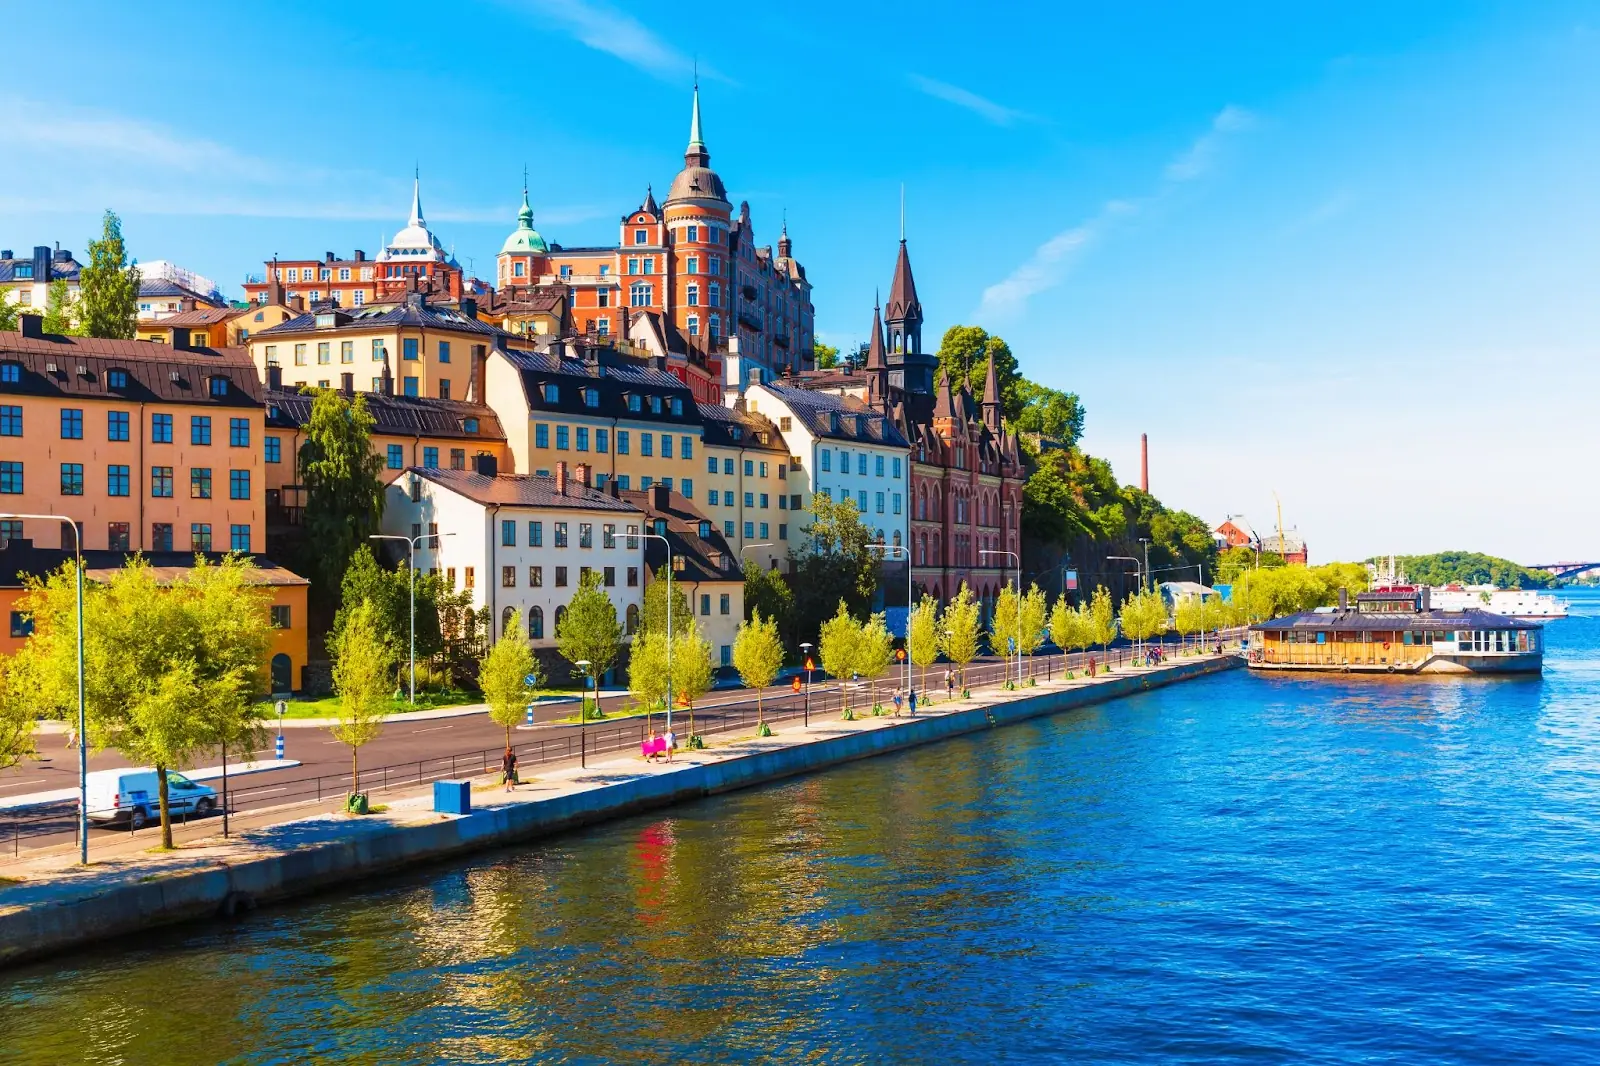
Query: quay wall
(84, 910)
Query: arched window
(508, 618)
(561, 612)
(897, 538)
(536, 624)
(880, 536)
(633, 618)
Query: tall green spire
(695, 140)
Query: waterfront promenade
(52, 905)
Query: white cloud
(618, 34)
(987, 109)
(1050, 261)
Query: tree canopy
(964, 353)
(1470, 568)
(834, 565)
(589, 630)
(108, 303)
(826, 355)
(344, 496)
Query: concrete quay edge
(41, 918)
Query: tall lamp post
(668, 544)
(583, 712)
(805, 649)
(1017, 585)
(83, 741)
(888, 549)
(1138, 574)
(411, 563)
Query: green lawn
(328, 706)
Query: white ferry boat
(1511, 603)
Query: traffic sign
(810, 665)
(795, 684)
(283, 708)
(900, 654)
(531, 680)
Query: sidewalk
(205, 774)
(459, 711)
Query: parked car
(133, 795)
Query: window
(408, 348)
(116, 425)
(71, 423)
(21, 624)
(458, 458)
(727, 529)
(685, 445)
(280, 616)
(274, 449)
(727, 655)
(324, 352)
(200, 483)
(200, 536)
(561, 438)
(469, 578)
(715, 498)
(727, 467)
(783, 531)
(161, 482)
(897, 503)
(879, 502)
(724, 603)
(749, 530)
(765, 502)
(715, 295)
(118, 536)
(585, 534)
(687, 488)
(897, 467)
(430, 458)
(633, 582)
(749, 499)
(199, 429)
(878, 470)
(677, 405)
(535, 577)
(10, 529)
(397, 456)
(541, 435)
(536, 623)
(161, 536)
(666, 446)
(647, 443)
(239, 537)
(601, 440)
(11, 421)
(561, 535)
(117, 480)
(641, 236)
(409, 387)
(72, 479)
(299, 355)
(591, 397)
(794, 501)
(561, 577)
(602, 298)
(239, 432)
(218, 386)
(444, 351)
(861, 500)
(639, 294)
(377, 349)
(715, 266)
(551, 393)
(705, 603)
(444, 389)
(535, 534)
(694, 325)
(692, 296)
(10, 373)
(861, 464)
(161, 429)
(827, 459)
(508, 533)
(508, 577)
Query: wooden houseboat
(1396, 632)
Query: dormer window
(217, 386)
(833, 422)
(552, 393)
(677, 405)
(469, 425)
(641, 236)
(661, 527)
(735, 433)
(591, 397)
(24, 270)
(678, 562)
(655, 405)
(705, 530)
(116, 379)
(327, 321)
(634, 402)
(10, 373)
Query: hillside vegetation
(1470, 568)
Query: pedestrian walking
(672, 743)
(1091, 666)
(508, 769)
(913, 703)
(897, 699)
(949, 684)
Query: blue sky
(1346, 253)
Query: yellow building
(527, 310)
(749, 484)
(216, 327)
(427, 349)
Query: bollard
(279, 747)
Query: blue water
(1241, 869)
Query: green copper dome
(524, 239)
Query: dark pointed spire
(903, 303)
(991, 397)
(945, 407)
(649, 205)
(875, 356)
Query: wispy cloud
(1050, 261)
(616, 33)
(984, 108)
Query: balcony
(750, 322)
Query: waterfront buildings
(219, 327)
(25, 279)
(147, 447)
(1289, 544)
(704, 565)
(520, 543)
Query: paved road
(408, 752)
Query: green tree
(589, 631)
(873, 655)
(10, 312)
(835, 564)
(16, 711)
(1470, 568)
(1102, 619)
(108, 300)
(648, 673)
(922, 636)
(964, 353)
(837, 642)
(1188, 616)
(1144, 615)
(1005, 634)
(692, 669)
(1234, 562)
(363, 670)
(59, 312)
(961, 628)
(825, 355)
(344, 497)
(1049, 412)
(366, 582)
(758, 655)
(767, 592)
(653, 616)
(1035, 615)
(1070, 626)
(503, 676)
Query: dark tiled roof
(700, 554)
(614, 376)
(156, 372)
(523, 490)
(406, 313)
(816, 410)
(200, 316)
(720, 422)
(59, 271)
(163, 287)
(22, 558)
(401, 416)
(1355, 622)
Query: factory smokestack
(1144, 462)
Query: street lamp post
(411, 563)
(583, 712)
(83, 741)
(1017, 584)
(805, 649)
(887, 549)
(1138, 574)
(668, 544)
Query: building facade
(25, 280)
(147, 447)
(215, 327)
(521, 543)
(704, 565)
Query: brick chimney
(561, 477)
(32, 325)
(485, 464)
(583, 473)
(275, 377)
(660, 497)
(180, 339)
(1144, 462)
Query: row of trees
(108, 293)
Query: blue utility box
(452, 797)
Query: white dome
(416, 241)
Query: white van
(134, 795)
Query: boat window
(1322, 638)
(1405, 638)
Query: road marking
(333, 742)
(433, 729)
(260, 791)
(29, 781)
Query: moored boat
(1396, 632)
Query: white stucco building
(520, 544)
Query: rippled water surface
(1238, 869)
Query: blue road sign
(530, 680)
